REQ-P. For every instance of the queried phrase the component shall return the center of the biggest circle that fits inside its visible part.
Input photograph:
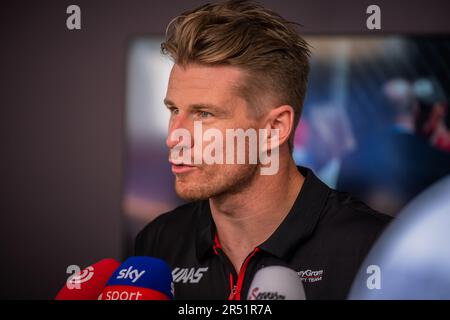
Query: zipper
(232, 288)
(235, 287)
(235, 293)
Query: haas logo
(188, 275)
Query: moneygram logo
(310, 275)
(212, 147)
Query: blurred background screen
(375, 122)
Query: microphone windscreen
(276, 283)
(411, 259)
(140, 278)
(89, 283)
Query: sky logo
(131, 274)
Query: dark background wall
(62, 106)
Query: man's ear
(282, 119)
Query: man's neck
(246, 219)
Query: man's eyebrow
(168, 103)
(198, 106)
(203, 106)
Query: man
(241, 66)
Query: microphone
(140, 278)
(411, 259)
(89, 283)
(276, 283)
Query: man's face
(207, 94)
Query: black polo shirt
(324, 238)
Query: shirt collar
(296, 228)
(302, 219)
(206, 230)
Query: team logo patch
(310, 275)
(188, 275)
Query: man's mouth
(181, 167)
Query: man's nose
(180, 130)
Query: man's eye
(204, 114)
(174, 111)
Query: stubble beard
(214, 181)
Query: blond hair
(246, 35)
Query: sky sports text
(263, 148)
(130, 273)
(121, 295)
